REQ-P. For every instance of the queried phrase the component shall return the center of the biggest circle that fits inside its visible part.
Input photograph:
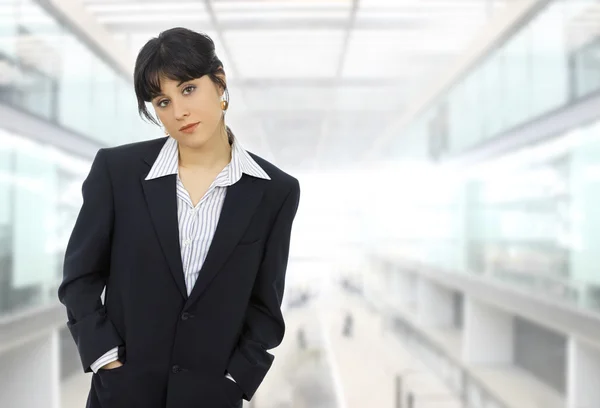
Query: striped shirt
(197, 224)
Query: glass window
(40, 196)
(534, 223)
(35, 93)
(37, 44)
(583, 38)
(128, 118)
(518, 224)
(75, 86)
(544, 64)
(457, 116)
(104, 104)
(122, 125)
(9, 78)
(34, 203)
(517, 78)
(586, 63)
(472, 117)
(6, 220)
(549, 62)
(8, 28)
(585, 215)
(492, 96)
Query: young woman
(189, 234)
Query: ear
(221, 75)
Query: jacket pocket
(111, 387)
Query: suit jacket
(176, 349)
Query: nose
(180, 110)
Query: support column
(406, 293)
(583, 375)
(435, 305)
(488, 334)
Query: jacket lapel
(241, 202)
(161, 198)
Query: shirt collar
(167, 163)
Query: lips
(188, 126)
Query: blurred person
(301, 338)
(189, 237)
(348, 325)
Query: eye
(190, 88)
(186, 91)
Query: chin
(195, 140)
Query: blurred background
(446, 249)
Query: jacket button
(176, 369)
(185, 316)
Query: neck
(216, 152)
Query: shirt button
(187, 242)
(176, 369)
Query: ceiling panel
(173, 18)
(400, 53)
(268, 5)
(288, 98)
(277, 99)
(278, 15)
(114, 7)
(432, 4)
(112, 12)
(285, 53)
(369, 98)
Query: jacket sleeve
(264, 325)
(86, 268)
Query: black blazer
(176, 349)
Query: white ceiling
(313, 82)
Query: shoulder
(282, 191)
(129, 158)
(280, 180)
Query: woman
(190, 236)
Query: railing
(472, 392)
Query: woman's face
(182, 104)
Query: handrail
(413, 334)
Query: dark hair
(179, 54)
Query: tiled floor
(369, 361)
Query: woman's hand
(111, 365)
